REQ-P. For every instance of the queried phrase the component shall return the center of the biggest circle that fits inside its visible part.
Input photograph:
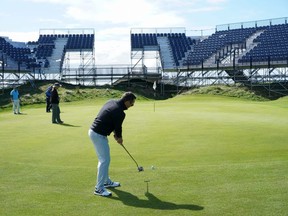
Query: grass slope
(70, 93)
(213, 155)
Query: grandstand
(50, 57)
(254, 54)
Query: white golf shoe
(112, 184)
(102, 192)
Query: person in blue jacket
(48, 98)
(15, 98)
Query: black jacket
(110, 118)
(54, 96)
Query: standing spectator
(108, 120)
(48, 98)
(55, 104)
(15, 98)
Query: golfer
(108, 120)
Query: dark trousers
(56, 113)
(48, 104)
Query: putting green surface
(210, 156)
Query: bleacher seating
(272, 45)
(37, 53)
(180, 44)
(138, 41)
(217, 41)
(82, 42)
(47, 39)
(20, 55)
(44, 51)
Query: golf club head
(140, 169)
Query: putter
(140, 168)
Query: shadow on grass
(21, 113)
(68, 125)
(153, 202)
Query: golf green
(202, 155)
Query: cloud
(113, 20)
(119, 12)
(21, 36)
(50, 21)
(205, 9)
(216, 1)
(112, 46)
(112, 52)
(129, 13)
(56, 1)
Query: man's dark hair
(128, 96)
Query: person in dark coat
(55, 104)
(108, 120)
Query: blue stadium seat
(272, 45)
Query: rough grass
(213, 155)
(68, 93)
(230, 91)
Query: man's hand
(118, 139)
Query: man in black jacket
(55, 104)
(108, 120)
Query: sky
(113, 20)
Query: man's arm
(118, 128)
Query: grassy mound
(230, 91)
(70, 93)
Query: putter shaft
(130, 156)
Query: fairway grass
(211, 155)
